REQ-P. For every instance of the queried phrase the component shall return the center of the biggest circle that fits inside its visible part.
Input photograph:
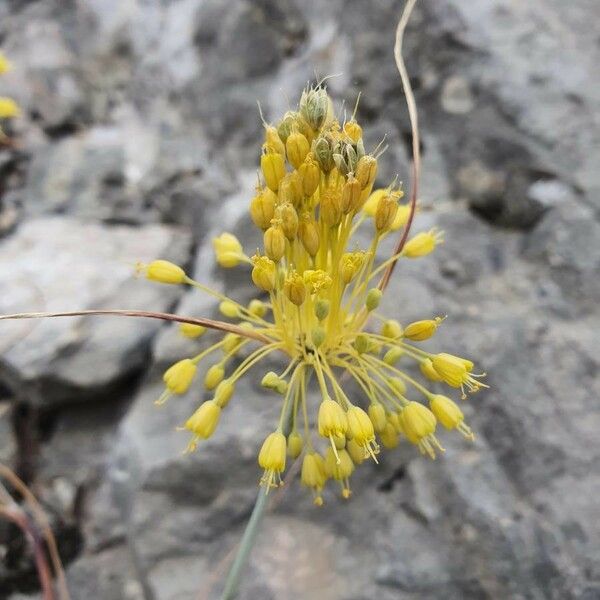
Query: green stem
(246, 545)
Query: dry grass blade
(210, 323)
(43, 523)
(414, 125)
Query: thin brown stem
(210, 323)
(19, 518)
(414, 125)
(44, 524)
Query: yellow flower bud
(5, 65)
(321, 308)
(332, 419)
(308, 232)
(229, 309)
(397, 385)
(422, 330)
(295, 444)
(423, 243)
(273, 141)
(231, 343)
(297, 148)
(401, 218)
(391, 329)
(8, 108)
(366, 171)
(392, 356)
(224, 392)
(428, 371)
(353, 130)
(360, 426)
(289, 220)
(291, 190)
(450, 415)
(163, 271)
(257, 308)
(294, 288)
(351, 192)
(262, 208)
(189, 330)
(272, 165)
(205, 420)
(339, 470)
(310, 175)
(394, 420)
(389, 436)
(377, 416)
(228, 250)
(314, 474)
(214, 376)
(288, 124)
(356, 452)
(331, 207)
(370, 206)
(385, 213)
(361, 343)
(418, 423)
(264, 273)
(373, 299)
(274, 242)
(179, 377)
(272, 458)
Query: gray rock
(59, 264)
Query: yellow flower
(450, 415)
(401, 218)
(340, 467)
(262, 208)
(361, 430)
(314, 475)
(203, 422)
(294, 288)
(228, 250)
(370, 206)
(264, 273)
(162, 271)
(272, 459)
(428, 371)
(5, 65)
(317, 280)
(423, 243)
(356, 452)
(422, 330)
(310, 175)
(456, 372)
(418, 423)
(178, 378)
(224, 392)
(389, 436)
(191, 331)
(297, 148)
(377, 416)
(8, 108)
(274, 241)
(214, 376)
(295, 444)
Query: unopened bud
(385, 213)
(264, 273)
(351, 195)
(310, 174)
(321, 309)
(308, 232)
(273, 141)
(229, 309)
(366, 171)
(353, 130)
(262, 208)
(274, 241)
(391, 329)
(314, 104)
(257, 308)
(289, 221)
(361, 343)
(322, 150)
(272, 165)
(297, 148)
(318, 336)
(331, 207)
(373, 299)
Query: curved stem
(414, 125)
(210, 323)
(248, 539)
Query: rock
(58, 264)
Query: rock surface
(140, 140)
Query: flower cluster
(8, 107)
(318, 306)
